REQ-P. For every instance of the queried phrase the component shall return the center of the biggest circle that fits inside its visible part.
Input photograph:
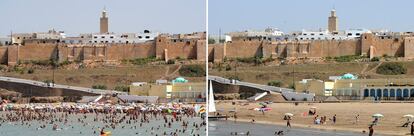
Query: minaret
(104, 22)
(333, 22)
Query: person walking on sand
(371, 130)
(356, 119)
(235, 117)
(412, 128)
(288, 122)
(334, 119)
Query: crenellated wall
(186, 49)
(368, 45)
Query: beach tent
(377, 115)
(349, 76)
(180, 80)
(288, 114)
(408, 116)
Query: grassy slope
(109, 76)
(263, 74)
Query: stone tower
(333, 22)
(104, 22)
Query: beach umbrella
(202, 110)
(288, 114)
(408, 116)
(377, 115)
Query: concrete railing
(288, 93)
(57, 86)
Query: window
(95, 37)
(139, 37)
(24, 37)
(349, 34)
(106, 41)
(357, 34)
(96, 41)
(81, 36)
(305, 34)
(112, 37)
(147, 37)
(312, 34)
(102, 36)
(321, 34)
(312, 38)
(18, 37)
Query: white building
(356, 33)
(112, 38)
(326, 35)
(5, 41)
(51, 34)
(123, 38)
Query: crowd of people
(141, 119)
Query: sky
(82, 16)
(297, 15)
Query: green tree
(392, 68)
(211, 41)
(276, 83)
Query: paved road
(42, 84)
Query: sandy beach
(390, 124)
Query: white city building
(326, 35)
(123, 38)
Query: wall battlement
(188, 49)
(368, 45)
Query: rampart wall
(185, 49)
(367, 45)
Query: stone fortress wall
(161, 48)
(368, 45)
